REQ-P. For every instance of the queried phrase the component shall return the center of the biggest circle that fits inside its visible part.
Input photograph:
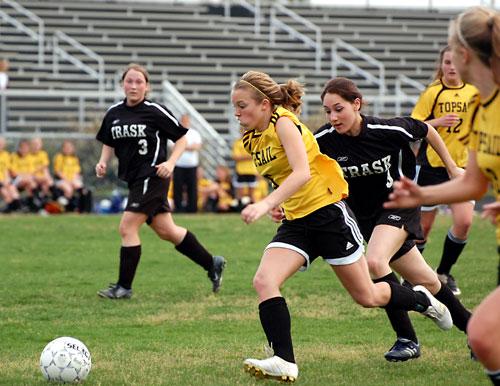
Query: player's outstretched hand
(491, 211)
(406, 194)
(255, 211)
(100, 169)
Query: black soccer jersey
(139, 136)
(374, 159)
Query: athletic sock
(452, 249)
(275, 320)
(129, 260)
(400, 321)
(406, 299)
(191, 247)
(494, 376)
(458, 312)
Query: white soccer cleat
(273, 368)
(437, 311)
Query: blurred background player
(21, 170)
(245, 177)
(474, 37)
(8, 192)
(185, 179)
(136, 130)
(41, 171)
(446, 105)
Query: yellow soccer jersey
(4, 165)
(327, 184)
(21, 165)
(40, 161)
(245, 167)
(485, 140)
(66, 166)
(439, 100)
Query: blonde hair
(263, 87)
(478, 29)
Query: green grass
(176, 332)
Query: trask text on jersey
(376, 167)
(125, 131)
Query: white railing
(59, 52)
(215, 150)
(254, 8)
(401, 96)
(337, 60)
(276, 24)
(38, 36)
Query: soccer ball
(65, 360)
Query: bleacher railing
(401, 96)
(254, 8)
(276, 24)
(37, 36)
(59, 52)
(215, 150)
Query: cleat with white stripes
(437, 311)
(403, 350)
(272, 368)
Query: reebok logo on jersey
(394, 217)
(342, 159)
(134, 205)
(348, 246)
(115, 121)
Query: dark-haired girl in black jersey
(373, 153)
(137, 130)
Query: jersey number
(143, 147)
(456, 128)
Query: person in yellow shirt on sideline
(67, 172)
(41, 173)
(22, 172)
(205, 187)
(245, 178)
(8, 192)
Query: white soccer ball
(65, 360)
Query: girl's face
(68, 148)
(450, 73)
(342, 114)
(250, 113)
(135, 87)
(36, 145)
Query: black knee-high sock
(275, 320)
(452, 249)
(191, 247)
(406, 299)
(129, 260)
(400, 321)
(494, 376)
(458, 312)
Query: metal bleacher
(200, 51)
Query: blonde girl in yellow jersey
(474, 37)
(310, 187)
(446, 105)
(8, 192)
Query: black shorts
(330, 232)
(427, 175)
(245, 180)
(148, 196)
(408, 219)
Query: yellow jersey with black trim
(243, 167)
(21, 164)
(4, 165)
(327, 184)
(439, 100)
(485, 141)
(66, 166)
(40, 162)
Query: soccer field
(174, 331)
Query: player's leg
(415, 269)
(427, 217)
(384, 242)
(455, 242)
(130, 254)
(484, 334)
(277, 265)
(186, 243)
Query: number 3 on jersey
(143, 150)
